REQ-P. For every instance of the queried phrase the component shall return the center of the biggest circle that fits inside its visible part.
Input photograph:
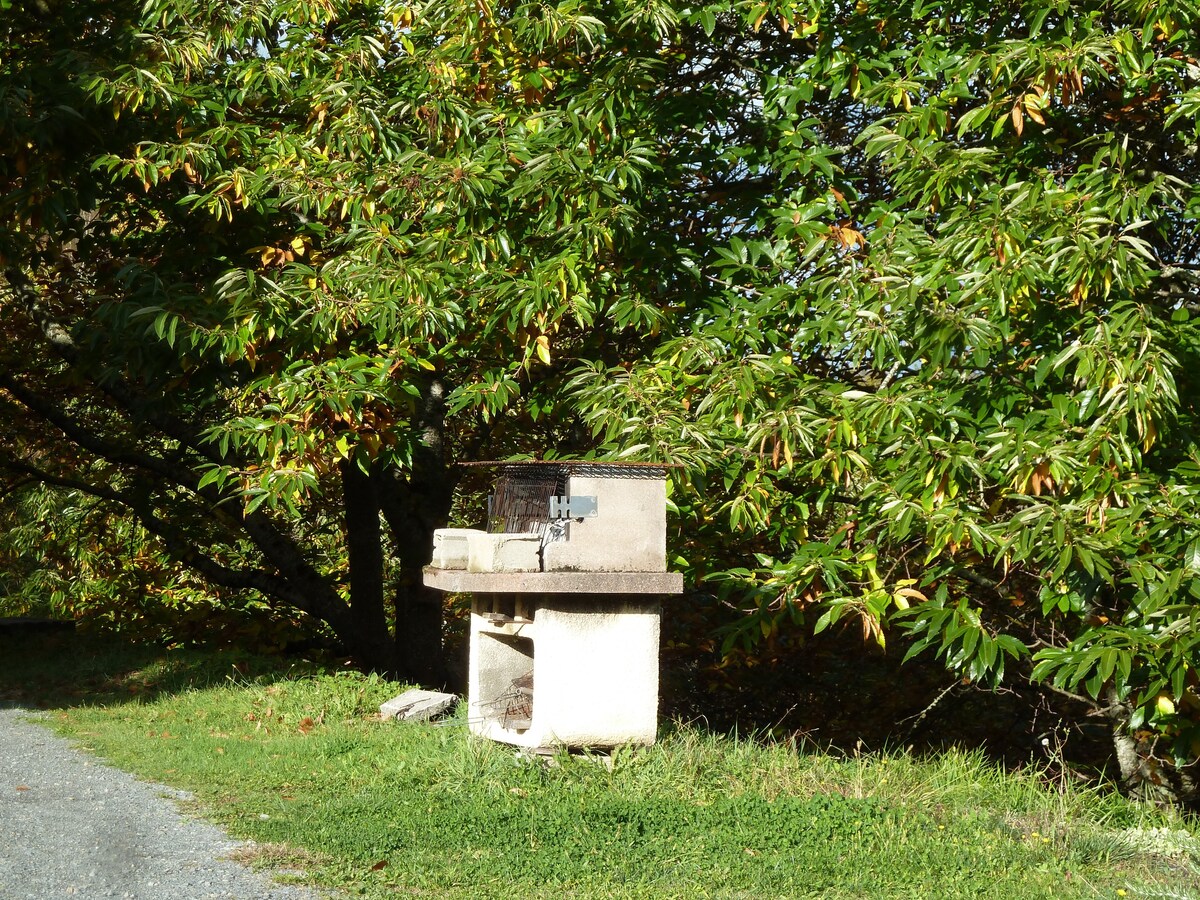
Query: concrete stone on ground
(417, 706)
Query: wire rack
(521, 501)
(518, 703)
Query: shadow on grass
(56, 668)
(828, 693)
(836, 693)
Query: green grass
(303, 766)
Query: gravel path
(72, 826)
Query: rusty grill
(521, 502)
(518, 703)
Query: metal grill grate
(521, 502)
(518, 704)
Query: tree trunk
(414, 506)
(367, 631)
(1144, 774)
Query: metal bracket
(577, 507)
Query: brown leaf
(1018, 118)
(22, 787)
(1043, 470)
(306, 725)
(379, 865)
(939, 493)
(1030, 102)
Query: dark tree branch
(16, 486)
(127, 399)
(309, 590)
(91, 442)
(981, 581)
(276, 547)
(28, 297)
(187, 553)
(43, 477)
(177, 547)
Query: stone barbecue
(565, 587)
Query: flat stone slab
(458, 581)
(416, 706)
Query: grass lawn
(298, 761)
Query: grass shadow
(829, 693)
(56, 668)
(835, 693)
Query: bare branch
(1078, 698)
(918, 718)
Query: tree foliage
(949, 386)
(272, 265)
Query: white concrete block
(591, 671)
(515, 552)
(628, 533)
(450, 547)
